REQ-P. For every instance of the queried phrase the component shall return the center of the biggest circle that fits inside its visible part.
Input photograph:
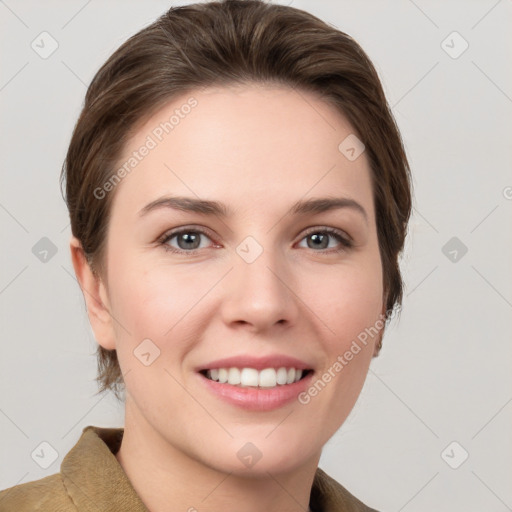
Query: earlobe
(378, 343)
(95, 296)
(378, 346)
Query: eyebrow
(208, 207)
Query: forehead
(243, 145)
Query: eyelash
(345, 242)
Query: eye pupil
(320, 238)
(190, 238)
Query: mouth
(247, 377)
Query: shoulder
(45, 495)
(329, 496)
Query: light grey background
(444, 372)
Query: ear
(95, 295)
(378, 341)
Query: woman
(239, 196)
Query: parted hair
(231, 42)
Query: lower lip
(258, 399)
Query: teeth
(234, 376)
(223, 375)
(267, 378)
(282, 376)
(248, 377)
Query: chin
(258, 455)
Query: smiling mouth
(267, 378)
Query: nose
(259, 295)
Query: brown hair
(224, 43)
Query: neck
(162, 474)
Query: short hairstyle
(224, 43)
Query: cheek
(348, 299)
(353, 311)
(350, 305)
(158, 300)
(154, 301)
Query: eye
(188, 240)
(319, 238)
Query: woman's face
(262, 285)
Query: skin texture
(258, 149)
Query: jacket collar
(93, 477)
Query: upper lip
(258, 363)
